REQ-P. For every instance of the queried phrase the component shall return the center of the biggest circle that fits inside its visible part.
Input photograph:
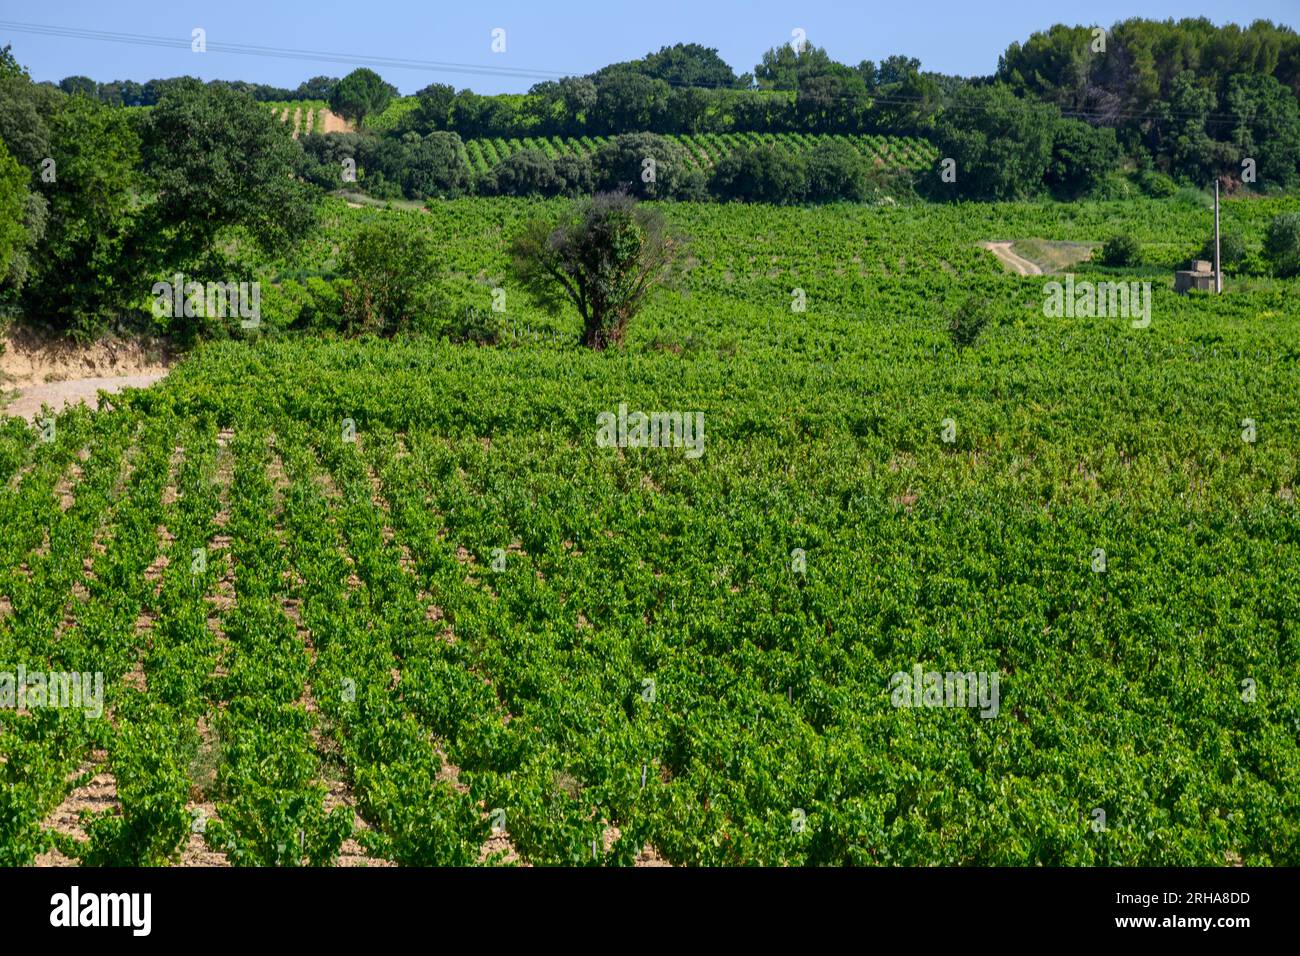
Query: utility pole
(1218, 275)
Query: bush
(1114, 187)
(1122, 250)
(835, 170)
(529, 172)
(762, 174)
(1232, 251)
(604, 255)
(575, 173)
(391, 269)
(1282, 245)
(967, 322)
(647, 166)
(1156, 185)
(436, 166)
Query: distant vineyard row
(708, 148)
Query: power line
(436, 66)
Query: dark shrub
(762, 174)
(835, 170)
(1121, 250)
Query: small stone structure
(1200, 276)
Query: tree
(689, 64)
(85, 273)
(317, 88)
(434, 110)
(628, 102)
(437, 165)
(529, 172)
(783, 67)
(763, 174)
(1268, 128)
(646, 165)
(13, 205)
(835, 170)
(1002, 145)
(79, 85)
(1082, 156)
(1121, 250)
(604, 255)
(391, 269)
(220, 161)
(1282, 245)
(360, 94)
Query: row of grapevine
(707, 149)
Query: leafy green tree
(630, 101)
(13, 206)
(966, 322)
(361, 93)
(436, 166)
(1282, 245)
(1193, 154)
(79, 86)
(1268, 128)
(391, 268)
(219, 163)
(783, 67)
(764, 173)
(604, 255)
(1002, 145)
(833, 101)
(835, 170)
(85, 274)
(1121, 250)
(1233, 251)
(529, 172)
(689, 64)
(1082, 157)
(434, 109)
(317, 88)
(646, 165)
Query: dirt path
(83, 390)
(1017, 264)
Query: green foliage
(13, 205)
(1233, 251)
(391, 268)
(361, 93)
(1282, 244)
(1122, 249)
(762, 174)
(87, 272)
(436, 166)
(604, 255)
(647, 166)
(967, 321)
(1082, 158)
(835, 170)
(1002, 145)
(221, 164)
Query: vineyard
(706, 149)
(375, 602)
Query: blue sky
(554, 36)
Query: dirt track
(58, 394)
(1015, 263)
